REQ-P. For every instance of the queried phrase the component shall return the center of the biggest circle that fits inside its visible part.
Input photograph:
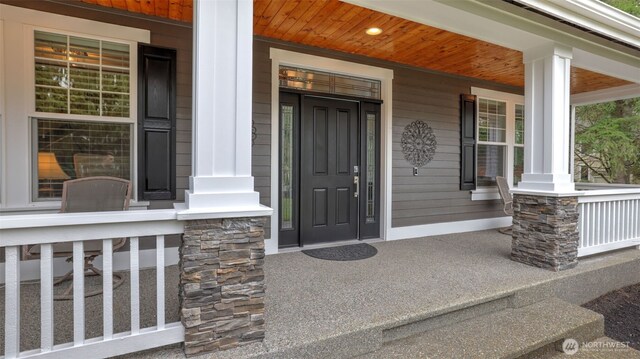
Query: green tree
(608, 140)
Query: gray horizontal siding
(261, 149)
(431, 197)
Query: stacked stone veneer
(222, 283)
(545, 231)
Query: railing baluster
(160, 281)
(603, 218)
(78, 293)
(135, 285)
(589, 207)
(592, 223)
(12, 303)
(581, 219)
(627, 220)
(615, 218)
(622, 217)
(46, 297)
(636, 214)
(594, 229)
(107, 289)
(611, 224)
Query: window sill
(485, 194)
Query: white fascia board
(606, 95)
(593, 15)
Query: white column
(221, 178)
(547, 120)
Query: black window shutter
(467, 142)
(156, 123)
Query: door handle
(356, 181)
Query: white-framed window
(87, 56)
(81, 115)
(500, 139)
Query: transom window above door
(330, 83)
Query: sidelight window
(286, 159)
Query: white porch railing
(609, 218)
(16, 231)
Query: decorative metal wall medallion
(254, 133)
(418, 143)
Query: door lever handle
(356, 181)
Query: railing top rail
(73, 219)
(70, 227)
(609, 195)
(580, 185)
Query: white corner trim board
(30, 270)
(448, 228)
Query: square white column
(547, 120)
(221, 181)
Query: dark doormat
(351, 252)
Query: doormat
(351, 252)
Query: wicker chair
(90, 194)
(507, 201)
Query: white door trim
(283, 57)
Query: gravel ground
(621, 310)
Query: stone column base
(222, 283)
(545, 231)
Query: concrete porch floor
(311, 301)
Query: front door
(326, 145)
(329, 159)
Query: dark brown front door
(329, 158)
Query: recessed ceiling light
(373, 31)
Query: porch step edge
(509, 333)
(424, 324)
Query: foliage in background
(630, 6)
(608, 140)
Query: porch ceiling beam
(606, 66)
(503, 24)
(610, 94)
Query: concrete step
(601, 348)
(535, 330)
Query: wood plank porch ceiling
(335, 25)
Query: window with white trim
(82, 123)
(500, 137)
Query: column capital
(547, 50)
